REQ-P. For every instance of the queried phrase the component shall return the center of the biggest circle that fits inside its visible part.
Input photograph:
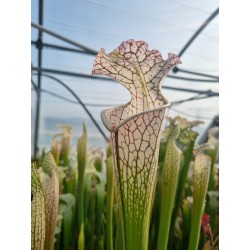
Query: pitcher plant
(135, 131)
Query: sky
(166, 25)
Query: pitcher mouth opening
(112, 128)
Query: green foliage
(169, 177)
(68, 212)
(87, 202)
(201, 173)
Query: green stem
(110, 201)
(82, 158)
(100, 204)
(68, 219)
(195, 230)
(186, 222)
(200, 183)
(81, 238)
(169, 182)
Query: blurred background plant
(85, 214)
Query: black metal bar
(176, 69)
(63, 48)
(75, 102)
(192, 79)
(39, 82)
(79, 101)
(34, 85)
(60, 72)
(213, 123)
(206, 92)
(67, 73)
(201, 28)
(174, 103)
(65, 39)
(185, 114)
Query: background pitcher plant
(135, 130)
